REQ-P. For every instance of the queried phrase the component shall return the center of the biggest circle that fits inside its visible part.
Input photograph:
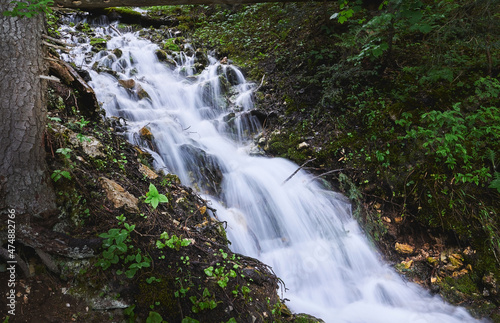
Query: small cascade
(203, 130)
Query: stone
(142, 94)
(90, 145)
(128, 84)
(146, 171)
(303, 145)
(145, 133)
(118, 195)
(404, 248)
(118, 52)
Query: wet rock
(118, 52)
(306, 318)
(146, 133)
(146, 171)
(404, 248)
(204, 168)
(128, 84)
(201, 57)
(142, 94)
(118, 195)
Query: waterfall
(203, 132)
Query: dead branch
(326, 173)
(57, 41)
(302, 166)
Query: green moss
(160, 293)
(171, 44)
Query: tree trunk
(25, 184)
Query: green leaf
(209, 271)
(154, 202)
(154, 317)
(495, 184)
(152, 190)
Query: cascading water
(202, 132)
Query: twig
(329, 172)
(261, 82)
(289, 177)
(114, 28)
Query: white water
(304, 232)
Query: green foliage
(206, 302)
(117, 246)
(173, 242)
(458, 139)
(154, 198)
(29, 8)
(129, 313)
(495, 184)
(220, 273)
(57, 174)
(154, 317)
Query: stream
(204, 132)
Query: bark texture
(24, 180)
(94, 4)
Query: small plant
(173, 242)
(138, 262)
(65, 152)
(154, 317)
(57, 174)
(207, 302)
(117, 247)
(152, 279)
(154, 198)
(129, 313)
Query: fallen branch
(302, 166)
(55, 46)
(114, 28)
(57, 41)
(260, 85)
(329, 172)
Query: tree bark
(95, 4)
(25, 184)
